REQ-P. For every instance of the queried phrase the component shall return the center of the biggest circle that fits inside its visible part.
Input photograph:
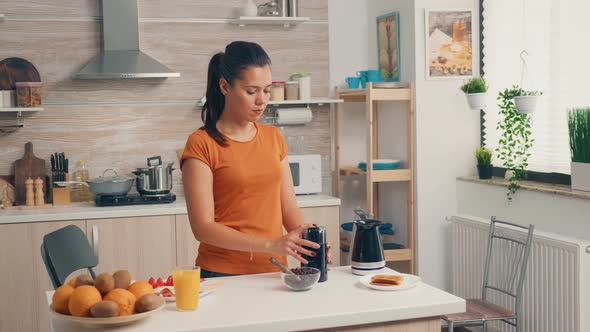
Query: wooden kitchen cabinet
(187, 245)
(146, 246)
(24, 277)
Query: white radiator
(556, 296)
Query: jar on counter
(28, 94)
(292, 90)
(277, 91)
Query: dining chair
(504, 273)
(67, 250)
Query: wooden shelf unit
(371, 96)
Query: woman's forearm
(229, 238)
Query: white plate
(206, 287)
(410, 281)
(94, 321)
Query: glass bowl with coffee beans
(303, 278)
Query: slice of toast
(387, 280)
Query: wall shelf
(18, 112)
(20, 109)
(313, 101)
(266, 20)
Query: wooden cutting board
(28, 166)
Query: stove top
(134, 199)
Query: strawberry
(169, 281)
(160, 282)
(167, 292)
(152, 282)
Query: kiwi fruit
(84, 279)
(148, 302)
(104, 309)
(122, 279)
(104, 282)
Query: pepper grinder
(30, 197)
(319, 260)
(39, 195)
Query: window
(554, 35)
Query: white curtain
(555, 34)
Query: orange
(82, 299)
(61, 298)
(124, 299)
(140, 288)
(72, 282)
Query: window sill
(557, 189)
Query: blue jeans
(210, 274)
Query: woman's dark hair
(229, 64)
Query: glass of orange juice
(187, 280)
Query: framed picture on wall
(449, 43)
(388, 46)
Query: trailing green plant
(483, 156)
(475, 85)
(579, 130)
(515, 139)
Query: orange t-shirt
(246, 191)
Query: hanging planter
(526, 101)
(476, 91)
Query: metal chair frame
(522, 262)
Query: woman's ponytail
(215, 102)
(229, 65)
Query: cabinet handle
(95, 240)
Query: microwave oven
(306, 171)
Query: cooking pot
(156, 179)
(117, 185)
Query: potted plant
(579, 131)
(515, 138)
(484, 162)
(525, 100)
(475, 90)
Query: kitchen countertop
(262, 303)
(82, 211)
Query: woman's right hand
(292, 244)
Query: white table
(262, 303)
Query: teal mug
(353, 82)
(374, 75)
(363, 75)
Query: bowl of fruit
(110, 299)
(302, 278)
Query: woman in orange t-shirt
(237, 180)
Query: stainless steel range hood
(121, 56)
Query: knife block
(62, 195)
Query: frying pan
(117, 185)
